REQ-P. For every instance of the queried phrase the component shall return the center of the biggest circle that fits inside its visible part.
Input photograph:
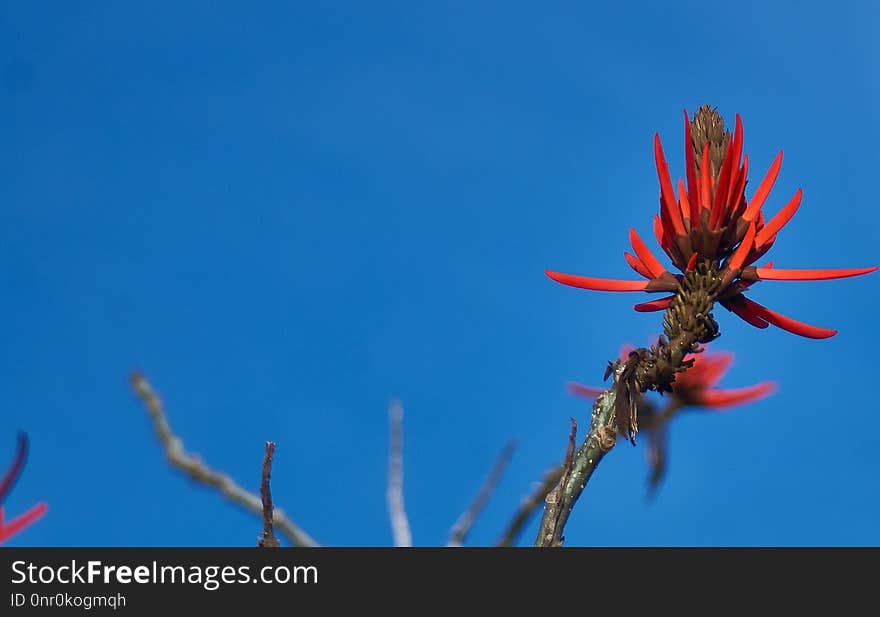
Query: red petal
(727, 398)
(759, 251)
(782, 217)
(738, 308)
(771, 274)
(692, 263)
(659, 304)
(736, 168)
(764, 188)
(636, 264)
(787, 323)
(736, 190)
(20, 522)
(668, 231)
(15, 467)
(691, 171)
(584, 391)
(654, 266)
(705, 180)
(596, 284)
(667, 193)
(708, 368)
(731, 158)
(739, 256)
(683, 201)
(660, 234)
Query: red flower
(696, 386)
(710, 219)
(7, 530)
(693, 388)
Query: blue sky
(288, 215)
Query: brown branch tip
(268, 539)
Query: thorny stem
(687, 323)
(599, 440)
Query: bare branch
(579, 468)
(529, 506)
(399, 522)
(268, 539)
(11, 475)
(552, 523)
(200, 472)
(468, 517)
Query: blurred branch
(399, 522)
(467, 519)
(200, 472)
(577, 471)
(268, 539)
(528, 507)
(14, 470)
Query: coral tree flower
(9, 529)
(709, 219)
(694, 388)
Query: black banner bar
(146, 580)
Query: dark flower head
(710, 225)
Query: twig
(268, 539)
(599, 440)
(554, 503)
(528, 507)
(399, 522)
(467, 519)
(11, 476)
(200, 472)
